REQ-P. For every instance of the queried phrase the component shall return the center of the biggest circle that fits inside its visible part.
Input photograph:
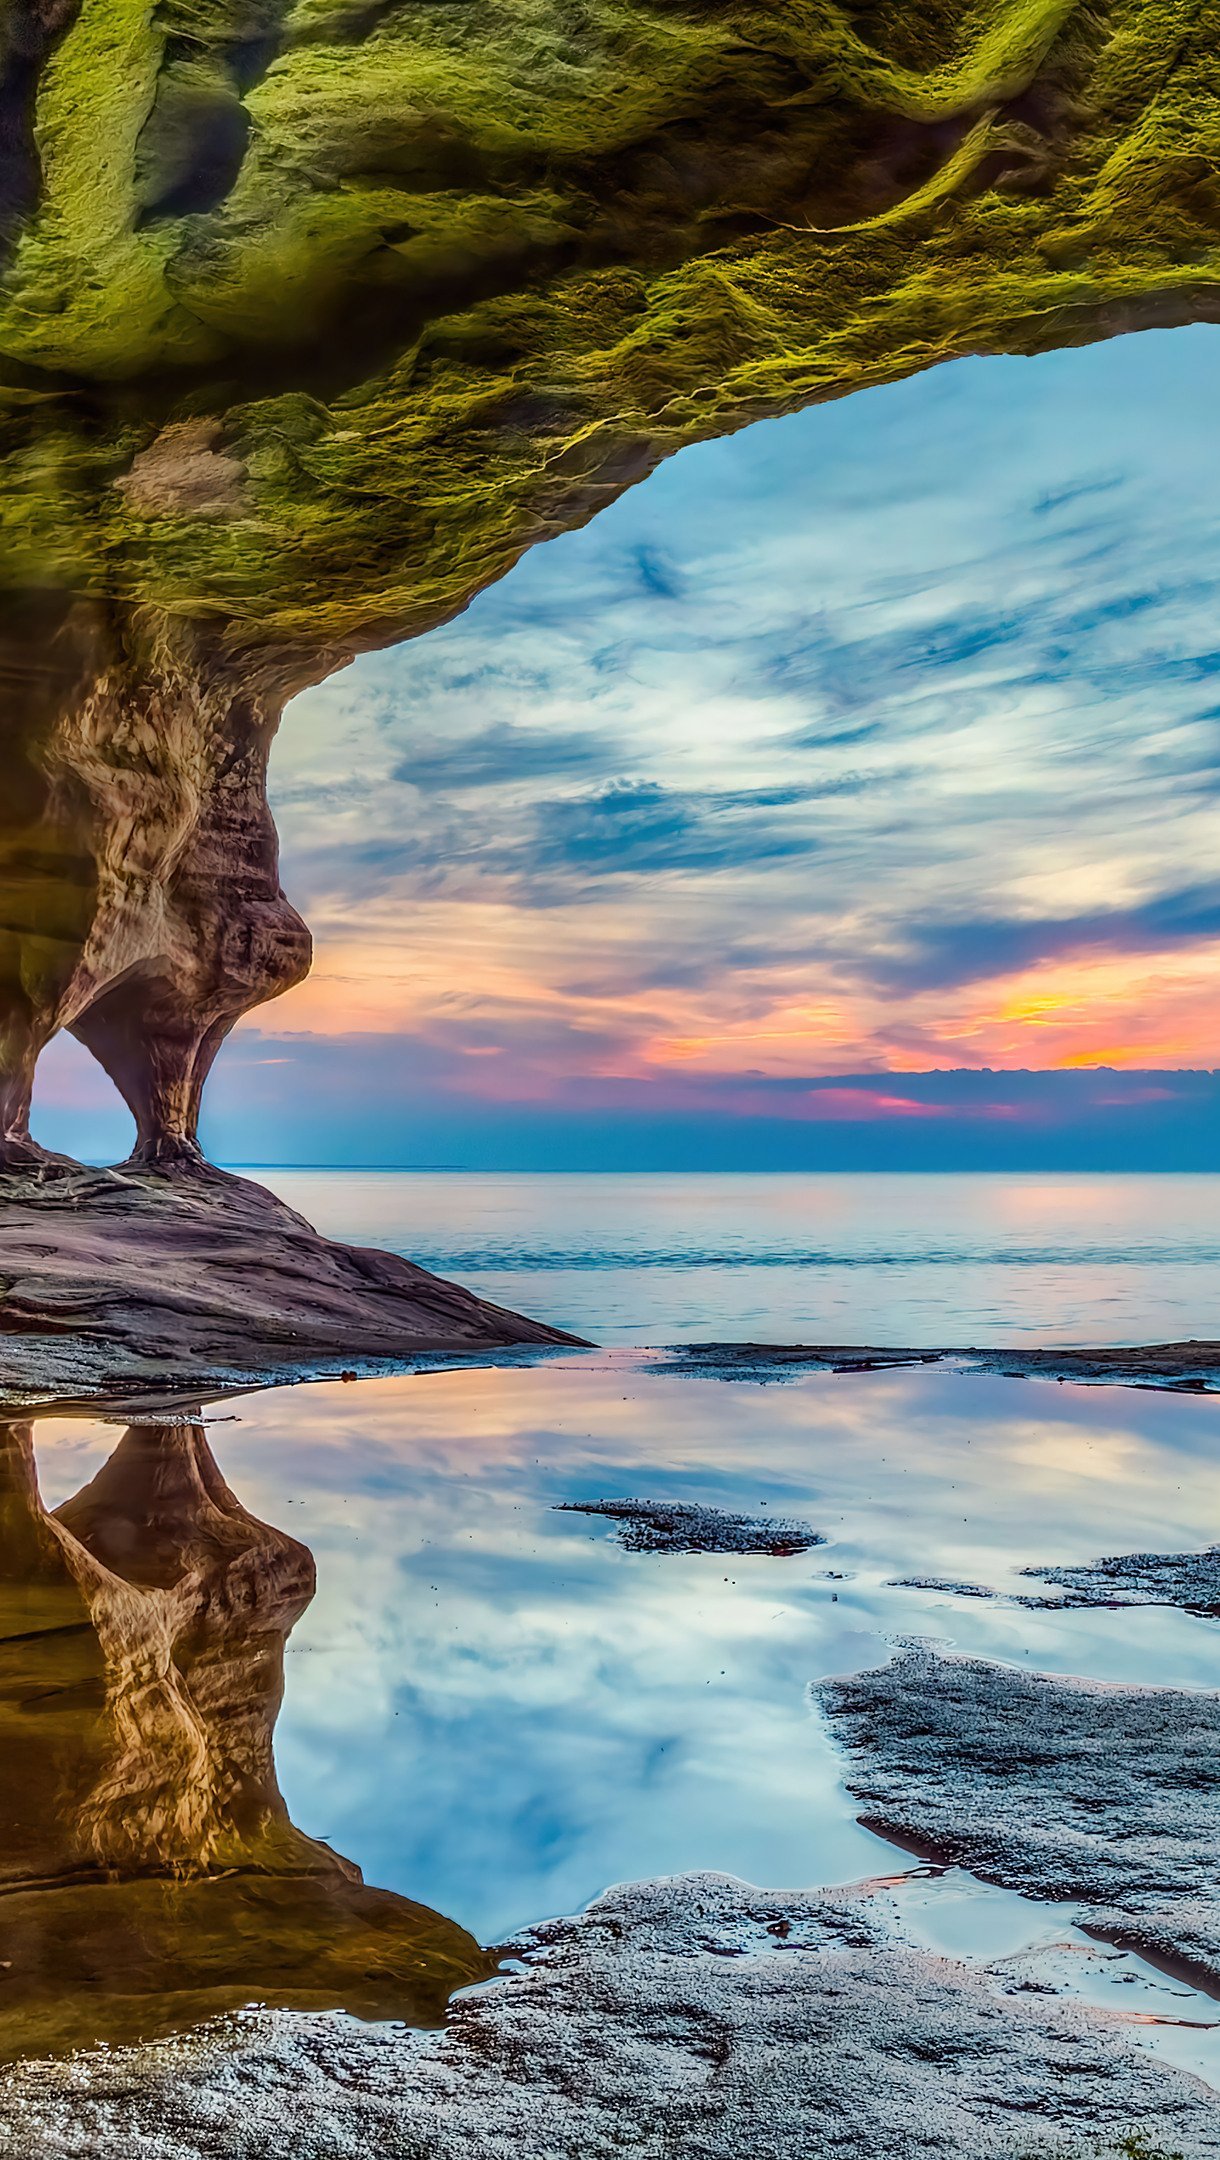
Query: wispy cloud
(502, 755)
(880, 737)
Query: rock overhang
(430, 286)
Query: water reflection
(150, 1874)
(493, 1706)
(491, 1701)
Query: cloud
(878, 736)
(636, 828)
(940, 955)
(659, 573)
(499, 756)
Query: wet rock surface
(1191, 1366)
(114, 1281)
(1190, 1580)
(675, 1526)
(945, 1585)
(693, 2016)
(1056, 1788)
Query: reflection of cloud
(492, 1711)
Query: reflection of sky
(873, 740)
(493, 1708)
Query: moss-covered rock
(445, 279)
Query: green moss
(472, 272)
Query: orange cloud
(522, 998)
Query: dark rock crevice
(30, 30)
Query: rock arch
(312, 320)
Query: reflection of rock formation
(149, 1873)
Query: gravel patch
(1191, 1367)
(946, 1585)
(1190, 1580)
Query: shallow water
(494, 1709)
(883, 1259)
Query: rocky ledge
(126, 1282)
(1189, 1580)
(695, 2015)
(678, 1526)
(1192, 1367)
(1054, 1788)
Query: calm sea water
(649, 1259)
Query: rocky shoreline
(1054, 1788)
(144, 1286)
(691, 2015)
(131, 1282)
(1192, 1367)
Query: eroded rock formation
(149, 1872)
(140, 903)
(313, 316)
(135, 1287)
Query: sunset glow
(769, 779)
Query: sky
(846, 794)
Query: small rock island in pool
(679, 1526)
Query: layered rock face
(314, 316)
(135, 1287)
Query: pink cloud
(858, 1103)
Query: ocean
(653, 1259)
